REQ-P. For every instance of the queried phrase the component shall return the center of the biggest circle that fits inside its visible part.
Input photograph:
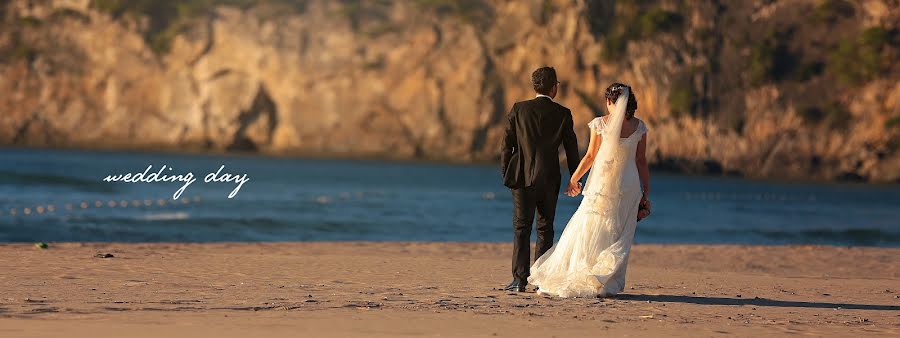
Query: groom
(529, 163)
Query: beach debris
(41, 245)
(104, 255)
(738, 296)
(365, 305)
(646, 317)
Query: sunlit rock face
(750, 88)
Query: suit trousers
(540, 197)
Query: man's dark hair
(543, 79)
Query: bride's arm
(643, 169)
(588, 160)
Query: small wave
(166, 216)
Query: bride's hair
(613, 92)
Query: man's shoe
(516, 286)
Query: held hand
(573, 189)
(645, 203)
(644, 208)
(643, 213)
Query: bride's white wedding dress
(592, 254)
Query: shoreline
(823, 246)
(436, 289)
(658, 168)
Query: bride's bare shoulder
(641, 126)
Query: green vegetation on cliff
(167, 19)
(634, 21)
(861, 58)
(476, 12)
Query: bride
(591, 256)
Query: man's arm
(509, 140)
(570, 143)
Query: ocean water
(53, 195)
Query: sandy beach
(435, 289)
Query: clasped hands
(573, 189)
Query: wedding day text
(163, 175)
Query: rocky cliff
(775, 88)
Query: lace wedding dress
(592, 254)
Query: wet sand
(435, 289)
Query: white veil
(608, 176)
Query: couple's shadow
(752, 301)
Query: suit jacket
(530, 150)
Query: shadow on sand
(753, 302)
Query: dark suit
(529, 163)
